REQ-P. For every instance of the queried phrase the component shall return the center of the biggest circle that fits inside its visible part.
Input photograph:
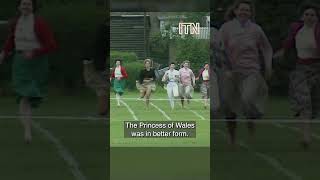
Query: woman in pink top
(187, 82)
(244, 88)
(304, 89)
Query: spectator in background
(30, 41)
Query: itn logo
(189, 28)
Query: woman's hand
(28, 54)
(279, 54)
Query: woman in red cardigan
(118, 74)
(204, 77)
(304, 89)
(30, 41)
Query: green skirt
(118, 86)
(30, 78)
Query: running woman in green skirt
(119, 74)
(30, 41)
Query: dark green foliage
(126, 57)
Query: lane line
(65, 154)
(269, 159)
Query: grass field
(63, 149)
(275, 154)
(159, 111)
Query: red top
(43, 33)
(123, 72)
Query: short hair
(230, 12)
(147, 60)
(307, 6)
(118, 59)
(186, 61)
(35, 5)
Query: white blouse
(205, 75)
(117, 72)
(25, 36)
(306, 43)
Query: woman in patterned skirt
(146, 83)
(304, 89)
(204, 77)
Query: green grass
(280, 144)
(120, 114)
(84, 139)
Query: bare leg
(142, 93)
(118, 99)
(26, 118)
(305, 127)
(148, 94)
(182, 102)
(231, 126)
(251, 129)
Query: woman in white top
(304, 89)
(172, 77)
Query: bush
(126, 57)
(194, 50)
(159, 48)
(133, 70)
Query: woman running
(30, 41)
(204, 77)
(244, 88)
(119, 74)
(171, 77)
(146, 83)
(304, 88)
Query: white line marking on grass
(63, 152)
(130, 110)
(59, 117)
(297, 130)
(163, 113)
(197, 114)
(271, 160)
(156, 99)
(194, 112)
